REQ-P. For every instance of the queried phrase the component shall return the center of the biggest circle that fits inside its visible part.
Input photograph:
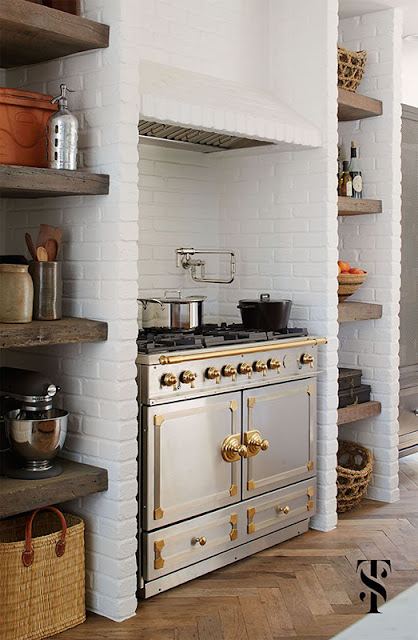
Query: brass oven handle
(207, 354)
(202, 541)
(254, 443)
(232, 449)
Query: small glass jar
(16, 293)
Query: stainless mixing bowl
(39, 439)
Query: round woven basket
(350, 68)
(348, 283)
(354, 472)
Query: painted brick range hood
(209, 114)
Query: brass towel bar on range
(207, 355)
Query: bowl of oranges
(349, 280)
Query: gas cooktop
(210, 335)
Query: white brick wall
(100, 281)
(179, 208)
(372, 242)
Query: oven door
(186, 473)
(284, 416)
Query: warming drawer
(181, 545)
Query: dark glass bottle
(355, 173)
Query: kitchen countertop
(398, 620)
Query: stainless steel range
(228, 462)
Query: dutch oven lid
(264, 298)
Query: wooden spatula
(45, 231)
(51, 248)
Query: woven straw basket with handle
(42, 574)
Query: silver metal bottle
(62, 135)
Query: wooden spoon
(51, 248)
(41, 254)
(30, 246)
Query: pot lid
(174, 296)
(264, 298)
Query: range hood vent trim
(196, 102)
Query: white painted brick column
(372, 242)
(100, 281)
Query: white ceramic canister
(16, 293)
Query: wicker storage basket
(350, 68)
(354, 471)
(42, 575)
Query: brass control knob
(213, 374)
(202, 541)
(245, 369)
(307, 358)
(187, 377)
(229, 372)
(284, 509)
(254, 443)
(273, 364)
(169, 380)
(260, 366)
(232, 449)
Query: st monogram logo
(376, 588)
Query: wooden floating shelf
(42, 332)
(357, 206)
(353, 311)
(31, 33)
(33, 182)
(76, 480)
(354, 106)
(358, 412)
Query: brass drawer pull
(202, 541)
(284, 509)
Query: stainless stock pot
(172, 311)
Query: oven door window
(280, 421)
(186, 473)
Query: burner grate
(158, 340)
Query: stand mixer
(34, 429)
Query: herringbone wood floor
(306, 588)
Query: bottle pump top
(62, 99)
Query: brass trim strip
(237, 352)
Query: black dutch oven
(265, 314)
